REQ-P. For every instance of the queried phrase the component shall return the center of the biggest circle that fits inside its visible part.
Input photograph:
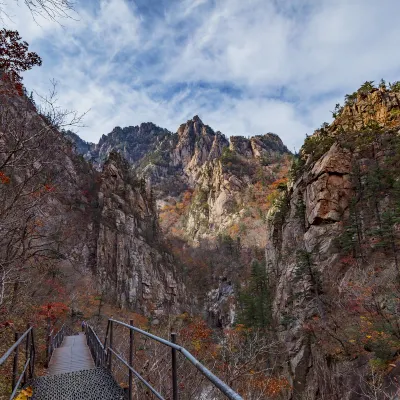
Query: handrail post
(174, 370)
(32, 354)
(15, 364)
(105, 344)
(131, 349)
(110, 346)
(26, 353)
(48, 337)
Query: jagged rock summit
(218, 171)
(192, 145)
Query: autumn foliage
(15, 58)
(4, 179)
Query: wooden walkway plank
(72, 355)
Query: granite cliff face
(327, 236)
(131, 268)
(77, 222)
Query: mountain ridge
(92, 151)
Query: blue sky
(245, 67)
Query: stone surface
(317, 206)
(130, 269)
(191, 159)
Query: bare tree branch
(53, 10)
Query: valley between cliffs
(279, 270)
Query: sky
(245, 67)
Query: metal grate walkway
(72, 375)
(90, 384)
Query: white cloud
(120, 62)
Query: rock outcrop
(131, 268)
(379, 106)
(218, 170)
(321, 231)
(221, 305)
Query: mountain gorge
(326, 222)
(234, 237)
(199, 262)
(212, 196)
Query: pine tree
(255, 300)
(306, 269)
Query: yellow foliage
(196, 344)
(25, 394)
(234, 229)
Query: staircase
(72, 375)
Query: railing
(103, 354)
(54, 340)
(28, 371)
(96, 347)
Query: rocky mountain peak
(196, 118)
(194, 128)
(197, 144)
(376, 106)
(257, 146)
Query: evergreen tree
(255, 300)
(306, 270)
(366, 87)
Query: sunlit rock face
(342, 187)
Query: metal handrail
(28, 371)
(14, 346)
(20, 379)
(96, 347)
(107, 351)
(140, 377)
(54, 340)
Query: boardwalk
(72, 375)
(73, 355)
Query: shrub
(227, 156)
(350, 99)
(395, 86)
(317, 145)
(366, 87)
